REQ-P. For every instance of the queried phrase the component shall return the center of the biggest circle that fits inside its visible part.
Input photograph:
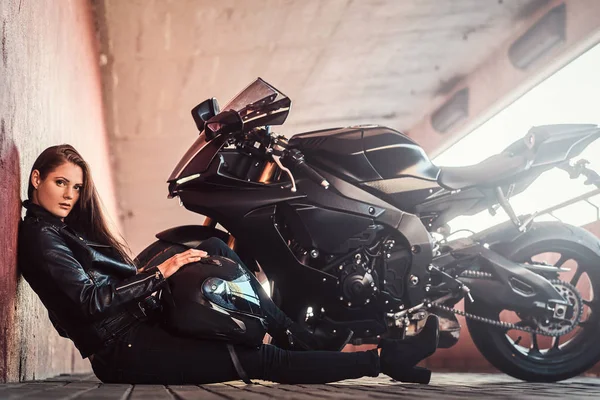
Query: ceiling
(342, 62)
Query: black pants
(149, 354)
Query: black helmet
(215, 298)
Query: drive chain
(508, 325)
(501, 324)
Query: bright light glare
(267, 287)
(571, 95)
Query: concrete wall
(49, 94)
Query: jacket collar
(35, 211)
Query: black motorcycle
(350, 226)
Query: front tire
(577, 351)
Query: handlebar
(313, 175)
(287, 159)
(295, 158)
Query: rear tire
(562, 361)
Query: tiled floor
(442, 386)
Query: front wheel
(538, 358)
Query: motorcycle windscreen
(198, 157)
(259, 104)
(236, 295)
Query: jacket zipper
(140, 281)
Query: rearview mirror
(205, 111)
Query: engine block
(358, 281)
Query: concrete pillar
(50, 93)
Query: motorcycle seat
(490, 170)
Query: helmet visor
(238, 295)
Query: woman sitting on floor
(97, 298)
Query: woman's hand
(173, 264)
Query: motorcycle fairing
(317, 227)
(556, 143)
(190, 235)
(211, 194)
(405, 193)
(339, 151)
(362, 154)
(198, 157)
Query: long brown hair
(87, 215)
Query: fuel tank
(362, 154)
(380, 159)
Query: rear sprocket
(561, 327)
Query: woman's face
(59, 192)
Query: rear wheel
(541, 358)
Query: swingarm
(468, 267)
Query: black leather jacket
(92, 296)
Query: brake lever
(277, 160)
